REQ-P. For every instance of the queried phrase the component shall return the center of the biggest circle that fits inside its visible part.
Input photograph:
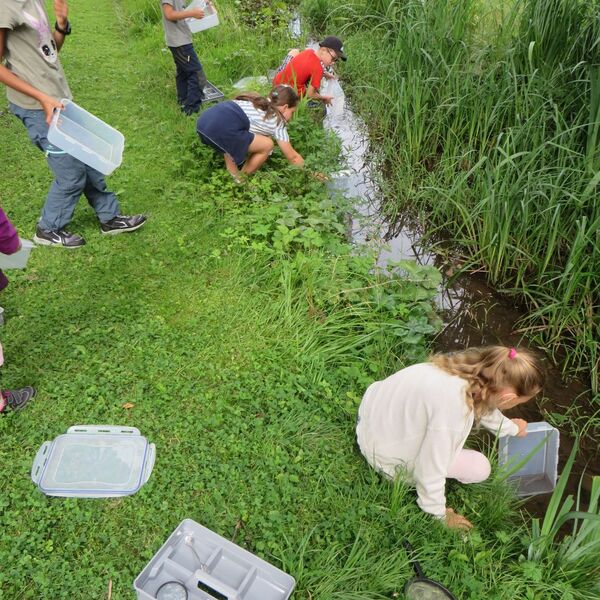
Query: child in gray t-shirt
(190, 79)
(36, 84)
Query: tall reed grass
(489, 119)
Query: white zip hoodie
(415, 422)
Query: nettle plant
(290, 219)
(284, 225)
(296, 224)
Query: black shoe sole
(44, 242)
(127, 230)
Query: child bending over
(304, 70)
(415, 422)
(243, 129)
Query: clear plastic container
(540, 450)
(19, 259)
(209, 567)
(94, 461)
(86, 137)
(212, 93)
(336, 108)
(251, 83)
(211, 19)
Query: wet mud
(473, 313)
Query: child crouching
(414, 424)
(243, 129)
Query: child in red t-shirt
(305, 70)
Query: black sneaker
(60, 237)
(17, 399)
(122, 224)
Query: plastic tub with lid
(94, 461)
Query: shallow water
(473, 313)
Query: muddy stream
(473, 313)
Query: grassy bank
(489, 119)
(242, 330)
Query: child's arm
(312, 93)
(292, 156)
(500, 425)
(61, 12)
(11, 80)
(177, 15)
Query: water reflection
(474, 314)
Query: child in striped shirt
(243, 129)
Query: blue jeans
(71, 178)
(190, 79)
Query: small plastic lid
(95, 464)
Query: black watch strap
(66, 30)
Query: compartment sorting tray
(538, 475)
(211, 568)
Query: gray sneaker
(17, 399)
(122, 224)
(60, 237)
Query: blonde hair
(490, 369)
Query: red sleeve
(316, 75)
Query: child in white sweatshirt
(415, 422)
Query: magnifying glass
(171, 590)
(421, 587)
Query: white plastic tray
(19, 259)
(539, 473)
(211, 568)
(211, 19)
(212, 93)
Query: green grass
(487, 117)
(242, 329)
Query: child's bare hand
(49, 105)
(522, 425)
(196, 13)
(61, 12)
(327, 99)
(456, 521)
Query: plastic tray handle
(104, 429)
(149, 463)
(39, 462)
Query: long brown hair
(490, 369)
(278, 96)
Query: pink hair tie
(512, 353)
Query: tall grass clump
(488, 117)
